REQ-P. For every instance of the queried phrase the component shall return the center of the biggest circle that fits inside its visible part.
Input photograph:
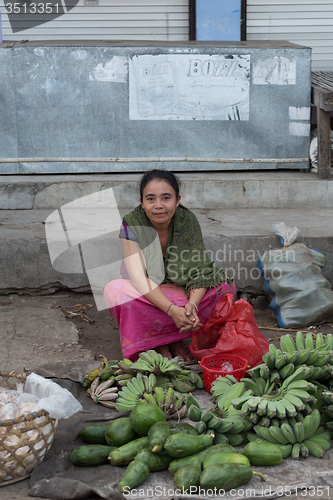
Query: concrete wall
(196, 106)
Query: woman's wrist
(193, 304)
(167, 311)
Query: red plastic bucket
(211, 368)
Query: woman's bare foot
(178, 349)
(164, 351)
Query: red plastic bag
(230, 329)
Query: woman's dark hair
(156, 173)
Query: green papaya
(157, 436)
(179, 462)
(135, 474)
(188, 476)
(182, 445)
(216, 448)
(91, 454)
(195, 460)
(226, 476)
(184, 427)
(143, 416)
(120, 432)
(93, 433)
(126, 453)
(225, 457)
(263, 453)
(155, 461)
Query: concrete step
(207, 190)
(235, 238)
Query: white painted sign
(274, 71)
(299, 128)
(113, 71)
(299, 113)
(189, 87)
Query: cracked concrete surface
(32, 337)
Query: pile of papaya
(146, 442)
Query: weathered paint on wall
(275, 71)
(189, 87)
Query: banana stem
(262, 477)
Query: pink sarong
(144, 326)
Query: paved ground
(35, 332)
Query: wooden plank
(322, 76)
(327, 80)
(324, 138)
(322, 82)
(325, 87)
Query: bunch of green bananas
(223, 419)
(120, 370)
(279, 364)
(272, 401)
(169, 372)
(171, 402)
(327, 407)
(139, 387)
(153, 362)
(124, 372)
(306, 437)
(261, 402)
(220, 385)
(105, 367)
(107, 374)
(309, 341)
(143, 389)
(103, 393)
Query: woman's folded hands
(185, 318)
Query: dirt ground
(102, 335)
(99, 332)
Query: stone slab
(235, 238)
(211, 190)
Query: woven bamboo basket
(25, 440)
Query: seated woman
(159, 312)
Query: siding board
(305, 22)
(257, 9)
(111, 20)
(268, 3)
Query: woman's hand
(191, 313)
(185, 319)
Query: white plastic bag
(288, 235)
(301, 296)
(59, 402)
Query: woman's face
(160, 202)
